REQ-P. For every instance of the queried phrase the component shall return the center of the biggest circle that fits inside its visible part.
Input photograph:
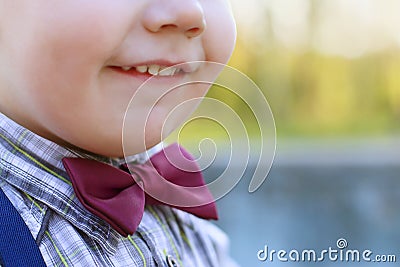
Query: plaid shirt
(34, 179)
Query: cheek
(62, 67)
(59, 77)
(220, 36)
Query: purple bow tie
(113, 195)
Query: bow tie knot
(170, 177)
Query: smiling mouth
(159, 70)
(154, 70)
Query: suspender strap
(17, 246)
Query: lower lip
(133, 73)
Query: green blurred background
(328, 68)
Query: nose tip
(187, 16)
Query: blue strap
(17, 246)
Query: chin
(107, 150)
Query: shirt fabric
(34, 179)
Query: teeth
(126, 68)
(142, 69)
(154, 69)
(168, 71)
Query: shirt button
(171, 261)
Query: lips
(158, 69)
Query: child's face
(61, 75)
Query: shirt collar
(33, 164)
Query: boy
(69, 70)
